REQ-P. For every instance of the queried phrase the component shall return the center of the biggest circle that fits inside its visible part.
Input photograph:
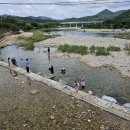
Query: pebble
(39, 73)
(89, 120)
(25, 125)
(34, 92)
(89, 110)
(52, 117)
(16, 78)
(54, 107)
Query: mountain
(105, 12)
(5, 15)
(101, 16)
(29, 17)
(40, 17)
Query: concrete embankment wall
(93, 100)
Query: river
(102, 81)
(84, 33)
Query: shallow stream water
(102, 81)
(84, 33)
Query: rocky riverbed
(31, 105)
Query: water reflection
(49, 57)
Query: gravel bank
(23, 108)
(85, 41)
(9, 40)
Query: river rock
(16, 78)
(89, 120)
(24, 125)
(39, 73)
(52, 117)
(90, 92)
(34, 92)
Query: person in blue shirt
(27, 64)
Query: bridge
(82, 23)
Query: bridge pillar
(76, 25)
(70, 25)
(82, 25)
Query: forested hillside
(15, 23)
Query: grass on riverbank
(101, 51)
(83, 50)
(92, 49)
(36, 37)
(113, 48)
(74, 49)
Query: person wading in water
(27, 63)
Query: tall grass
(83, 50)
(92, 49)
(74, 49)
(113, 48)
(102, 51)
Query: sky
(61, 11)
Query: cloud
(60, 12)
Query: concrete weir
(93, 100)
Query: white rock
(89, 120)
(34, 92)
(52, 117)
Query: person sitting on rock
(82, 84)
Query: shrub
(92, 49)
(113, 48)
(73, 49)
(101, 51)
(27, 46)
